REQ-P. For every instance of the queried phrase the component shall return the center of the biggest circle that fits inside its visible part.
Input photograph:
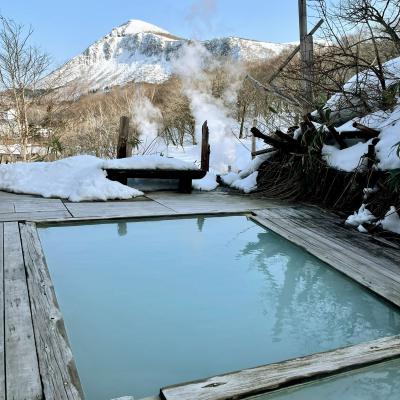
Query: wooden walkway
(35, 358)
(15, 207)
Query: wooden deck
(35, 358)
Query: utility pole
(307, 57)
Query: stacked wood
(286, 143)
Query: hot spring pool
(150, 303)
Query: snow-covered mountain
(142, 52)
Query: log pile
(296, 169)
(285, 142)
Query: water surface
(154, 303)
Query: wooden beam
(22, 370)
(263, 151)
(205, 148)
(357, 134)
(270, 377)
(123, 136)
(366, 129)
(57, 367)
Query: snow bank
(79, 178)
(366, 83)
(388, 122)
(208, 183)
(346, 159)
(386, 149)
(391, 222)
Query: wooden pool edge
(63, 376)
(276, 376)
(58, 371)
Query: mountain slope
(142, 52)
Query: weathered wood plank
(6, 207)
(57, 367)
(117, 209)
(38, 205)
(2, 353)
(298, 212)
(210, 202)
(36, 215)
(22, 371)
(283, 374)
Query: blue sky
(64, 28)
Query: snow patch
(206, 184)
(387, 147)
(346, 159)
(229, 178)
(254, 164)
(135, 26)
(247, 184)
(391, 222)
(360, 217)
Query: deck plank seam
(66, 207)
(164, 205)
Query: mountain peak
(135, 26)
(138, 51)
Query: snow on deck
(80, 178)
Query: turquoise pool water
(158, 302)
(378, 382)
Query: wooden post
(123, 135)
(205, 147)
(253, 141)
(307, 56)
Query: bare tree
(21, 68)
